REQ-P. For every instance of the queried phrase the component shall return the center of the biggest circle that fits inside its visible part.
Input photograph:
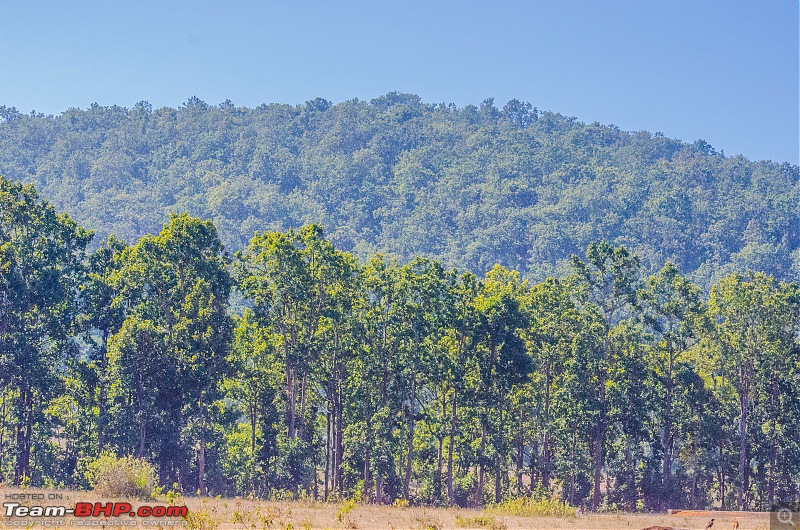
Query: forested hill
(473, 186)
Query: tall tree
(105, 311)
(41, 269)
(608, 280)
(555, 322)
(376, 398)
(459, 349)
(503, 363)
(674, 312)
(757, 337)
(292, 279)
(423, 303)
(177, 284)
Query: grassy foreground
(243, 514)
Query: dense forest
(470, 186)
(376, 379)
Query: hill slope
(472, 185)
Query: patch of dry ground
(243, 514)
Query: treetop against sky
(723, 72)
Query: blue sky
(722, 71)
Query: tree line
(293, 369)
(470, 186)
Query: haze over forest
(472, 186)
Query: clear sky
(722, 71)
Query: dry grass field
(243, 514)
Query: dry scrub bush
(129, 477)
(526, 507)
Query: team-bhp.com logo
(96, 513)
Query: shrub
(526, 507)
(344, 516)
(464, 490)
(111, 476)
(261, 517)
(206, 518)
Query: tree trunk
(772, 445)
(367, 456)
(481, 459)
(520, 463)
(598, 466)
(327, 452)
(142, 437)
(330, 418)
(574, 466)
(721, 478)
(410, 448)
(379, 488)
(28, 429)
(545, 465)
(693, 496)
(335, 454)
(253, 416)
(744, 468)
(2, 431)
(450, 452)
(439, 461)
(339, 446)
(102, 405)
(292, 386)
(498, 480)
(315, 474)
(22, 465)
(302, 408)
(201, 467)
(630, 494)
(201, 455)
(600, 439)
(667, 441)
(142, 413)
